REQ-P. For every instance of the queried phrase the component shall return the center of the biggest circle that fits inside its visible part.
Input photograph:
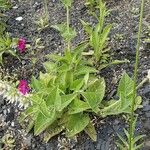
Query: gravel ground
(124, 17)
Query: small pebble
(15, 7)
(12, 124)
(19, 18)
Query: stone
(19, 18)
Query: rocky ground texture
(124, 17)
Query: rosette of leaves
(64, 96)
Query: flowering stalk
(68, 23)
(12, 95)
(135, 77)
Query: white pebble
(19, 18)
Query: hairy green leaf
(90, 130)
(67, 99)
(78, 106)
(42, 122)
(76, 123)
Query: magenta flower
(23, 87)
(21, 45)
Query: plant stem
(135, 76)
(68, 25)
(46, 10)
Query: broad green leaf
(95, 93)
(54, 99)
(82, 70)
(125, 89)
(52, 130)
(78, 106)
(93, 99)
(112, 109)
(42, 122)
(66, 100)
(90, 130)
(125, 85)
(43, 108)
(76, 123)
(77, 84)
(97, 85)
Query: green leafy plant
(123, 104)
(6, 46)
(4, 5)
(6, 42)
(43, 21)
(98, 38)
(98, 35)
(132, 139)
(63, 97)
(124, 145)
(67, 92)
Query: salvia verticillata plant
(15, 95)
(133, 141)
(98, 38)
(43, 21)
(98, 35)
(63, 97)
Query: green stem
(46, 10)
(135, 77)
(68, 25)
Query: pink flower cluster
(21, 45)
(23, 87)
